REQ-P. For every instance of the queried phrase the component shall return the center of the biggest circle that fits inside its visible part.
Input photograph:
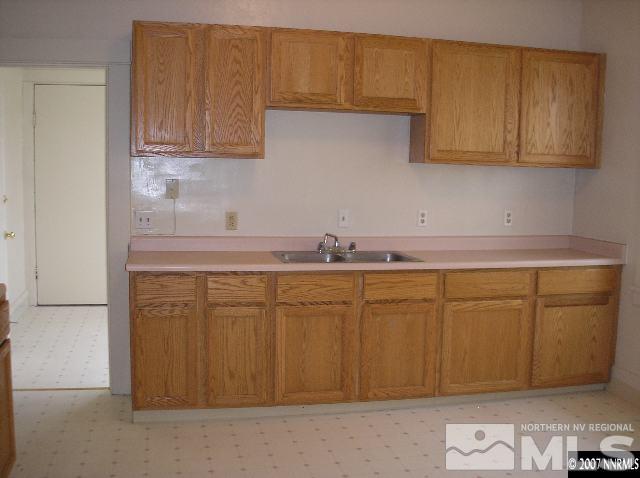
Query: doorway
(61, 340)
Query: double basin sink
(313, 257)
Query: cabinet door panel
(237, 356)
(390, 73)
(165, 357)
(398, 351)
(486, 346)
(314, 354)
(474, 102)
(573, 341)
(166, 114)
(311, 69)
(234, 91)
(7, 431)
(560, 108)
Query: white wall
(383, 200)
(607, 201)
(11, 156)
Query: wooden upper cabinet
(390, 73)
(165, 71)
(561, 108)
(235, 91)
(474, 103)
(311, 69)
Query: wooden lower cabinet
(398, 355)
(203, 340)
(165, 357)
(573, 341)
(486, 346)
(237, 356)
(7, 432)
(314, 354)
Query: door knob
(9, 235)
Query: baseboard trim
(624, 391)
(148, 416)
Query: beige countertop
(218, 261)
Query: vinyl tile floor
(71, 434)
(60, 347)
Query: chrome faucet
(324, 248)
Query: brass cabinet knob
(9, 235)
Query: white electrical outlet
(344, 218)
(422, 218)
(231, 221)
(508, 218)
(144, 219)
(172, 189)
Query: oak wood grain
(314, 354)
(472, 285)
(7, 424)
(311, 68)
(301, 288)
(573, 341)
(577, 281)
(475, 94)
(390, 73)
(237, 288)
(237, 356)
(485, 346)
(235, 90)
(157, 289)
(561, 104)
(400, 285)
(166, 368)
(166, 79)
(398, 357)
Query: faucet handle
(352, 246)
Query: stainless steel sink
(307, 257)
(347, 257)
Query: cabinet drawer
(315, 288)
(400, 286)
(468, 285)
(165, 289)
(236, 288)
(577, 281)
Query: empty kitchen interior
(347, 369)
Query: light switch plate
(344, 218)
(144, 219)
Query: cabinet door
(314, 354)
(166, 101)
(474, 103)
(165, 357)
(7, 432)
(398, 351)
(486, 346)
(234, 91)
(573, 340)
(311, 69)
(237, 356)
(561, 96)
(390, 73)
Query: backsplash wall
(319, 162)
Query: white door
(70, 190)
